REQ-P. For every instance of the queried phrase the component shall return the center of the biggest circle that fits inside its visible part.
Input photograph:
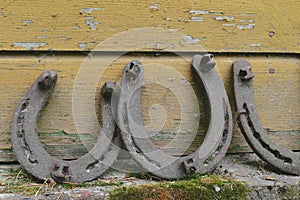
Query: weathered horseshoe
(150, 157)
(37, 161)
(257, 137)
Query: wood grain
(229, 26)
(168, 81)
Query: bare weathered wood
(218, 26)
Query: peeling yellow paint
(237, 23)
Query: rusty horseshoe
(142, 149)
(257, 137)
(36, 160)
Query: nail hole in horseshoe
(56, 167)
(131, 65)
(242, 73)
(32, 155)
(276, 153)
(202, 74)
(65, 169)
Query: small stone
(217, 188)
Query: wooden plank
(7, 156)
(276, 87)
(231, 26)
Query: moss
(95, 183)
(145, 176)
(17, 181)
(33, 188)
(24, 189)
(16, 175)
(289, 192)
(207, 187)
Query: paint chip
(205, 12)
(197, 19)
(247, 26)
(27, 22)
(173, 29)
(89, 10)
(91, 23)
(189, 39)
(255, 45)
(199, 12)
(228, 24)
(248, 14)
(82, 45)
(161, 46)
(29, 45)
(224, 18)
(86, 45)
(247, 20)
(42, 37)
(154, 7)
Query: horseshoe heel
(37, 161)
(257, 137)
(138, 143)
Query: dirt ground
(247, 167)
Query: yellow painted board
(218, 26)
(167, 97)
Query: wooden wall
(59, 35)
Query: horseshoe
(257, 137)
(139, 145)
(37, 161)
